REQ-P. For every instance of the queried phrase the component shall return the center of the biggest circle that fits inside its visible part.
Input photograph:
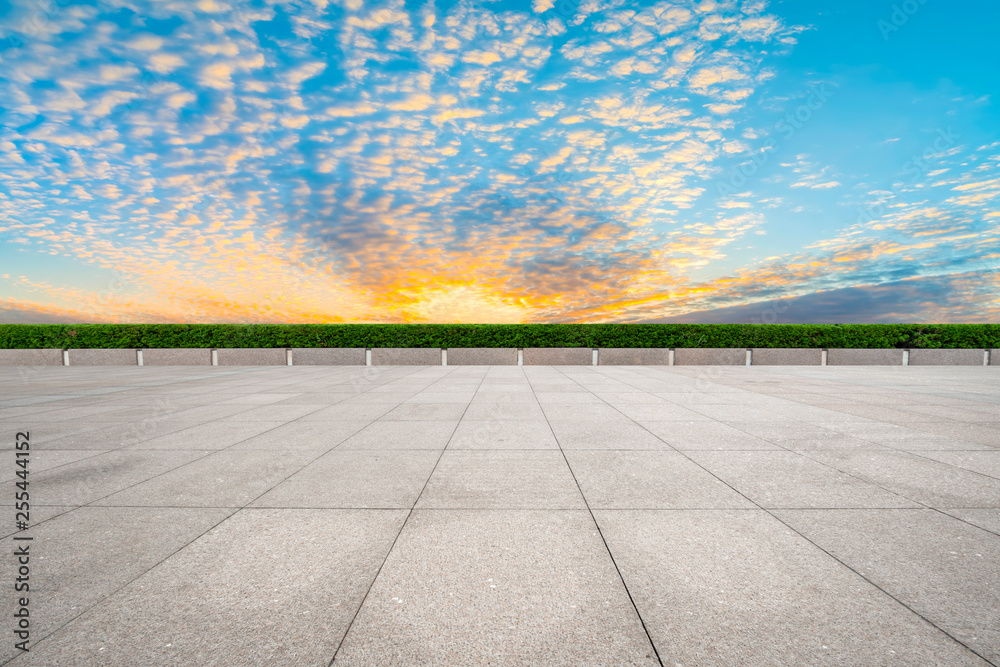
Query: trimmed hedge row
(28, 336)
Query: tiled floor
(507, 515)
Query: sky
(499, 161)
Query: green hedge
(23, 336)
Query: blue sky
(534, 161)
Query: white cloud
(217, 75)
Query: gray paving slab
(96, 477)
(355, 411)
(575, 396)
(649, 480)
(984, 462)
(789, 479)
(940, 567)
(261, 398)
(425, 412)
(984, 433)
(511, 398)
(317, 437)
(604, 434)
(221, 479)
(665, 411)
(114, 436)
(451, 396)
(356, 479)
(930, 482)
(177, 357)
(47, 459)
(503, 412)
(402, 435)
(985, 519)
(328, 356)
(85, 555)
(552, 601)
(273, 413)
(503, 434)
(705, 434)
(239, 595)
(493, 479)
(575, 411)
(47, 431)
(219, 435)
(725, 587)
(38, 514)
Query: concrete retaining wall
(710, 356)
(178, 356)
(482, 356)
(946, 357)
(633, 356)
(103, 358)
(251, 356)
(31, 357)
(786, 356)
(864, 357)
(328, 356)
(531, 356)
(558, 356)
(406, 356)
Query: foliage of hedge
(22, 336)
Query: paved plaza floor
(538, 515)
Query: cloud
(540, 6)
(948, 298)
(481, 57)
(217, 75)
(458, 158)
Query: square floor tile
(356, 479)
(501, 480)
(402, 435)
(942, 568)
(542, 586)
(604, 434)
(238, 596)
(788, 479)
(768, 595)
(648, 480)
(473, 434)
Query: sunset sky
(494, 161)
